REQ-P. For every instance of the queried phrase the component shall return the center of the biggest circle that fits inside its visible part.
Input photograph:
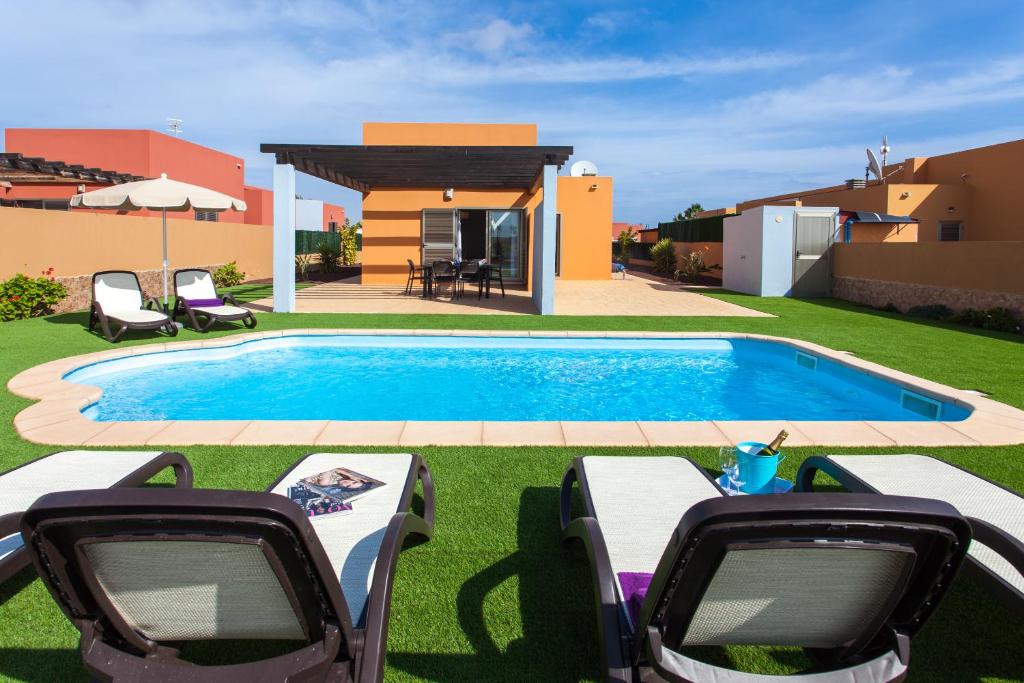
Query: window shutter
(438, 235)
(949, 231)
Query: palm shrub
(302, 262)
(663, 254)
(24, 297)
(626, 239)
(228, 275)
(329, 255)
(692, 266)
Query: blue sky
(713, 102)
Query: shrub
(348, 244)
(302, 262)
(1001, 319)
(663, 254)
(228, 275)
(693, 266)
(970, 317)
(625, 242)
(22, 297)
(329, 255)
(931, 312)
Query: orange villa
(433, 190)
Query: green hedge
(694, 230)
(308, 241)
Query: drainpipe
(847, 229)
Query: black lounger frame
(182, 307)
(97, 315)
(10, 523)
(337, 648)
(695, 548)
(1008, 547)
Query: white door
(812, 272)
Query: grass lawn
(494, 596)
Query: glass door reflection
(506, 243)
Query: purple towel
(634, 590)
(204, 302)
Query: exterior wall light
(594, 187)
(449, 194)
(904, 195)
(951, 209)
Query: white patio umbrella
(158, 193)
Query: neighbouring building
(136, 154)
(619, 227)
(972, 195)
(435, 191)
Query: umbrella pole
(164, 215)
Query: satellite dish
(873, 164)
(583, 168)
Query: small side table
(781, 486)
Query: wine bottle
(773, 447)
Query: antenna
(872, 165)
(884, 149)
(174, 126)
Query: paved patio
(636, 295)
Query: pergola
(366, 168)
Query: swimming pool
(462, 378)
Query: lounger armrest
(150, 303)
(370, 666)
(229, 298)
(9, 524)
(822, 463)
(1008, 547)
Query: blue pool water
(496, 378)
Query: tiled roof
(17, 168)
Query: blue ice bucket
(757, 472)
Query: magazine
(315, 503)
(341, 484)
(331, 492)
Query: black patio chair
(416, 274)
(492, 273)
(442, 271)
(472, 271)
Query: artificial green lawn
(494, 596)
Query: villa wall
(79, 243)
(586, 252)
(956, 274)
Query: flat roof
(369, 167)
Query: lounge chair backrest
(839, 572)
(194, 284)
(117, 290)
(166, 565)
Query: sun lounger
(851, 578)
(67, 470)
(996, 513)
(117, 298)
(196, 297)
(142, 572)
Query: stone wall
(80, 287)
(904, 295)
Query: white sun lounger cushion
(352, 540)
(638, 502)
(195, 284)
(64, 471)
(139, 315)
(220, 310)
(117, 292)
(925, 477)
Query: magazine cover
(341, 484)
(315, 503)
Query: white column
(284, 238)
(543, 280)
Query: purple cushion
(634, 590)
(204, 302)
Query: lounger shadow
(141, 573)
(850, 578)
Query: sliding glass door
(507, 242)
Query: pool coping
(56, 418)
